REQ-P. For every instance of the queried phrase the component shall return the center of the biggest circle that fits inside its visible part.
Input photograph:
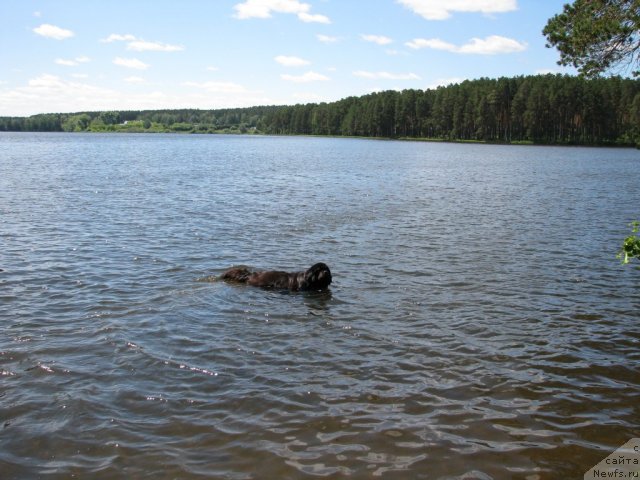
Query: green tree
(597, 35)
(110, 118)
(631, 245)
(76, 123)
(635, 119)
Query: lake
(479, 325)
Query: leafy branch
(596, 35)
(631, 245)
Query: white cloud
(393, 52)
(264, 8)
(139, 45)
(443, 82)
(212, 69)
(386, 75)
(291, 61)
(37, 14)
(143, 46)
(115, 37)
(45, 81)
(135, 80)
(223, 94)
(51, 31)
(72, 63)
(305, 78)
(79, 75)
(218, 87)
(491, 45)
(130, 63)
(379, 39)
(66, 63)
(315, 18)
(547, 71)
(326, 38)
(434, 43)
(441, 10)
(49, 93)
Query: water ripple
(463, 336)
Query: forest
(540, 109)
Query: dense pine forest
(542, 109)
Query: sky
(61, 56)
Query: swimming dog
(318, 277)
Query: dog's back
(273, 279)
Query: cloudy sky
(76, 55)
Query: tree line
(547, 109)
(233, 120)
(541, 109)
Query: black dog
(318, 277)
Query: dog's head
(318, 277)
(237, 274)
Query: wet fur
(318, 277)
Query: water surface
(479, 325)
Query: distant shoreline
(354, 137)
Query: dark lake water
(479, 325)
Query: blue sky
(77, 55)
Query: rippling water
(479, 325)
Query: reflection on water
(478, 325)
